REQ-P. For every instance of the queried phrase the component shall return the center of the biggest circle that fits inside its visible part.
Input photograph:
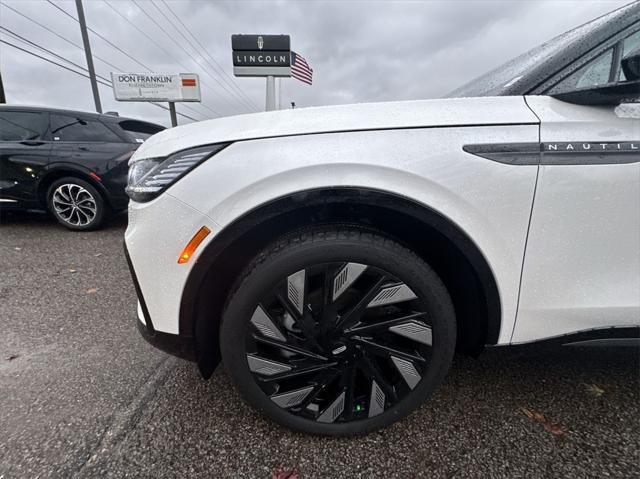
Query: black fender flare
(279, 208)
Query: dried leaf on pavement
(282, 473)
(550, 426)
(594, 390)
(92, 290)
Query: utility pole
(172, 112)
(3, 98)
(87, 52)
(271, 93)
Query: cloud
(360, 51)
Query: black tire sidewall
(101, 212)
(354, 246)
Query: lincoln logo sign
(261, 55)
(156, 87)
(260, 59)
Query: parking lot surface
(82, 395)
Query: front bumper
(157, 233)
(175, 344)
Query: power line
(240, 97)
(59, 57)
(231, 81)
(124, 53)
(101, 37)
(159, 46)
(188, 54)
(50, 61)
(101, 82)
(56, 34)
(97, 57)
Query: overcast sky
(361, 51)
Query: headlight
(148, 177)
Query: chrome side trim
(559, 153)
(507, 153)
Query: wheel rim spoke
(372, 372)
(381, 349)
(320, 383)
(385, 324)
(290, 348)
(353, 316)
(348, 383)
(298, 372)
(305, 322)
(338, 342)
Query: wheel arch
(54, 172)
(449, 250)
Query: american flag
(300, 69)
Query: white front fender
(489, 201)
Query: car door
(84, 144)
(24, 152)
(582, 264)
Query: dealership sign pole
(262, 56)
(157, 87)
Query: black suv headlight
(148, 177)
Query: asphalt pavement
(82, 395)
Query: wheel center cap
(339, 350)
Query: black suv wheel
(338, 330)
(76, 204)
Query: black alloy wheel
(338, 331)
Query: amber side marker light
(192, 245)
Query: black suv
(72, 163)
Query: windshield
(497, 81)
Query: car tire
(76, 204)
(325, 323)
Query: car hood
(450, 112)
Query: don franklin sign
(156, 86)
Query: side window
(628, 45)
(139, 131)
(21, 125)
(70, 128)
(594, 73)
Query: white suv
(334, 258)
